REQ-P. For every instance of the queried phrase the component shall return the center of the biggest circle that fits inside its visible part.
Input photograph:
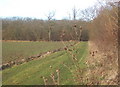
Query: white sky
(39, 8)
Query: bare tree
(75, 13)
(50, 16)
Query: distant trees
(100, 23)
(37, 30)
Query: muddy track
(25, 60)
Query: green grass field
(17, 50)
(30, 73)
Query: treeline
(100, 26)
(43, 30)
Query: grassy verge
(30, 73)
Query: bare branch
(50, 15)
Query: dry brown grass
(103, 67)
(103, 47)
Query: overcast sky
(40, 8)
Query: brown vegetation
(41, 30)
(103, 46)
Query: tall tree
(50, 17)
(75, 13)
